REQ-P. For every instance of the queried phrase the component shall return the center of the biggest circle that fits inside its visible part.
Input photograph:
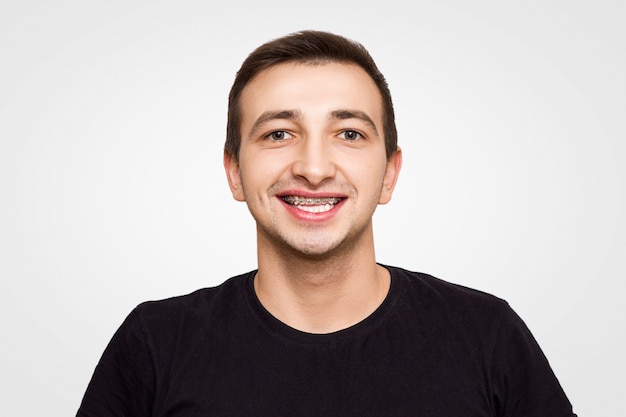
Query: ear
(394, 163)
(233, 174)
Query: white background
(112, 122)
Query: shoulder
(197, 305)
(443, 303)
(450, 310)
(438, 291)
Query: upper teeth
(301, 201)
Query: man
(321, 328)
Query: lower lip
(313, 217)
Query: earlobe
(233, 174)
(394, 163)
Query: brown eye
(279, 135)
(351, 135)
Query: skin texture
(314, 132)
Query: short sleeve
(523, 382)
(123, 383)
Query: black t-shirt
(431, 349)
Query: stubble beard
(312, 243)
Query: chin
(313, 248)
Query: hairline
(307, 47)
(334, 114)
(313, 61)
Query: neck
(320, 294)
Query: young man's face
(312, 165)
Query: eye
(350, 135)
(279, 135)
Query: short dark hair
(312, 47)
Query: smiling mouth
(312, 205)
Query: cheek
(258, 174)
(367, 177)
(375, 166)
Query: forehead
(313, 89)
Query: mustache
(330, 186)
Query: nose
(314, 160)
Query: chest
(379, 375)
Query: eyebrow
(354, 114)
(296, 114)
(273, 115)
